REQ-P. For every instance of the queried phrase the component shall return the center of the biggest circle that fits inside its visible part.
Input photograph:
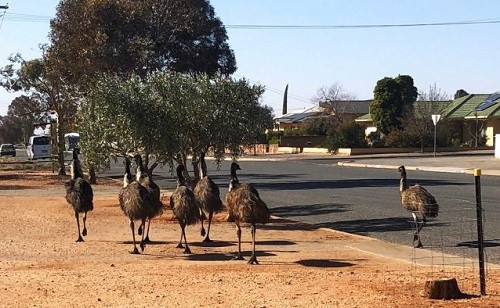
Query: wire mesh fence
(451, 242)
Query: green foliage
(124, 37)
(401, 139)
(17, 125)
(38, 78)
(348, 135)
(170, 115)
(391, 97)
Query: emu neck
(127, 178)
(181, 181)
(234, 179)
(75, 169)
(403, 184)
(203, 167)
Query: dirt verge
(42, 265)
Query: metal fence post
(480, 242)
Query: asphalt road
(366, 201)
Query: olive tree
(170, 115)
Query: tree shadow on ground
(309, 209)
(347, 183)
(324, 263)
(367, 226)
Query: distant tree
(460, 93)
(42, 84)
(336, 101)
(392, 96)
(17, 126)
(125, 37)
(418, 120)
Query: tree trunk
(60, 145)
(446, 288)
(92, 175)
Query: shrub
(348, 135)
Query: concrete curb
(419, 168)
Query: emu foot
(179, 246)
(253, 260)
(142, 245)
(135, 251)
(419, 245)
(187, 251)
(84, 232)
(238, 257)
(80, 239)
(207, 240)
(147, 240)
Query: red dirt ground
(41, 265)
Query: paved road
(365, 201)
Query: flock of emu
(140, 201)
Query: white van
(39, 147)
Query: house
(295, 119)
(350, 109)
(422, 107)
(475, 116)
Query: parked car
(7, 149)
(39, 147)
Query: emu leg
(202, 230)
(207, 238)
(143, 244)
(80, 238)
(135, 251)
(146, 239)
(180, 241)
(238, 232)
(84, 232)
(416, 235)
(186, 250)
(253, 258)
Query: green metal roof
(465, 108)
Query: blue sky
(452, 57)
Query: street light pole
(435, 120)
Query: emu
(146, 181)
(79, 194)
(136, 204)
(207, 195)
(244, 205)
(184, 207)
(419, 202)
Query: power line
(359, 26)
(41, 18)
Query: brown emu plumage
(154, 193)
(419, 202)
(79, 194)
(135, 202)
(184, 207)
(416, 198)
(244, 205)
(207, 195)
